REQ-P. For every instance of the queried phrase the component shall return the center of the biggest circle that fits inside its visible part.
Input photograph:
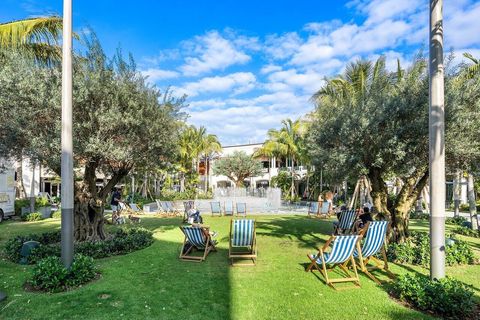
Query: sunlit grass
(154, 284)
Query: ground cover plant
(121, 241)
(153, 284)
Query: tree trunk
(471, 199)
(456, 193)
(20, 187)
(89, 204)
(379, 194)
(292, 187)
(89, 221)
(32, 189)
(409, 193)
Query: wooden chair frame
(343, 266)
(251, 254)
(171, 209)
(210, 246)
(379, 264)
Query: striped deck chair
(374, 243)
(187, 205)
(228, 208)
(161, 209)
(171, 209)
(313, 209)
(340, 255)
(241, 209)
(346, 222)
(196, 238)
(325, 210)
(216, 208)
(135, 208)
(243, 241)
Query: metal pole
(437, 143)
(67, 145)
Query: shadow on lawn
(151, 283)
(297, 228)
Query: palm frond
(35, 30)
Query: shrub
(419, 215)
(34, 216)
(416, 250)
(57, 214)
(123, 241)
(446, 297)
(13, 245)
(467, 232)
(41, 202)
(464, 207)
(50, 275)
(455, 220)
(19, 204)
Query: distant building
(271, 167)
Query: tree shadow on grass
(152, 283)
(306, 231)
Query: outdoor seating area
(277, 284)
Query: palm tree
(474, 68)
(285, 143)
(35, 37)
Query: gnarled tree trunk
(409, 193)
(379, 193)
(89, 204)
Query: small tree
(237, 167)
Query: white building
(271, 167)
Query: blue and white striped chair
(228, 208)
(325, 209)
(346, 222)
(216, 208)
(171, 209)
(241, 209)
(340, 255)
(196, 237)
(313, 208)
(373, 243)
(243, 241)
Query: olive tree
(237, 167)
(119, 123)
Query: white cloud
(282, 47)
(155, 75)
(270, 68)
(239, 82)
(212, 52)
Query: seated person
(364, 216)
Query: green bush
(50, 275)
(419, 215)
(19, 204)
(124, 240)
(455, 220)
(172, 195)
(41, 202)
(467, 232)
(57, 214)
(13, 245)
(447, 297)
(465, 207)
(416, 250)
(34, 216)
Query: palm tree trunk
(471, 199)
(292, 187)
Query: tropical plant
(36, 37)
(286, 143)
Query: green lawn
(154, 284)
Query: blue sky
(246, 65)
